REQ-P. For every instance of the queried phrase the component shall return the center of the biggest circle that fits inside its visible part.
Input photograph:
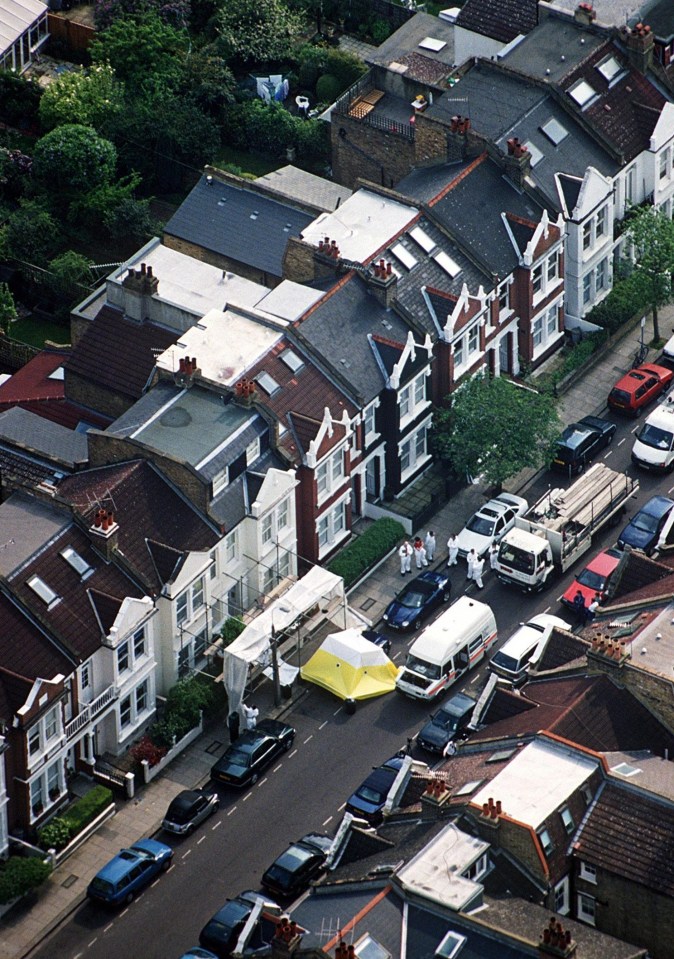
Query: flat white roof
(190, 283)
(225, 345)
(288, 301)
(362, 224)
(537, 780)
(652, 649)
(435, 872)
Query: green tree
(73, 159)
(86, 97)
(7, 308)
(146, 54)
(260, 32)
(651, 233)
(68, 280)
(31, 233)
(493, 428)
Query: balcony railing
(90, 711)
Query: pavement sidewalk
(24, 927)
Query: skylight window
(268, 383)
(367, 947)
(536, 154)
(423, 239)
(500, 756)
(445, 261)
(609, 69)
(292, 360)
(46, 593)
(57, 374)
(554, 131)
(404, 255)
(451, 945)
(625, 769)
(430, 43)
(467, 788)
(582, 93)
(77, 562)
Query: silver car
(188, 810)
(490, 523)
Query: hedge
(18, 876)
(627, 298)
(58, 832)
(184, 705)
(367, 550)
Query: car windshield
(429, 670)
(445, 720)
(140, 853)
(516, 558)
(655, 437)
(481, 525)
(414, 597)
(505, 662)
(592, 580)
(293, 858)
(645, 522)
(278, 874)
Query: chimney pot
(149, 271)
(143, 269)
(389, 269)
(498, 807)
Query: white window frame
(586, 908)
(86, 675)
(537, 280)
(545, 276)
(537, 331)
(283, 514)
(412, 398)
(253, 451)
(587, 288)
(545, 840)
(231, 547)
(213, 566)
(123, 657)
(267, 530)
(459, 350)
(561, 897)
(331, 527)
(182, 607)
(504, 301)
(551, 322)
(588, 872)
(567, 820)
(602, 223)
(664, 164)
(330, 474)
(408, 451)
(473, 340)
(369, 423)
(601, 276)
(587, 236)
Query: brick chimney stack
(517, 162)
(104, 533)
(139, 285)
(383, 282)
(585, 14)
(556, 941)
(640, 42)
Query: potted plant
(38, 809)
(54, 793)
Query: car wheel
(416, 624)
(128, 899)
(610, 439)
(445, 596)
(254, 778)
(286, 746)
(638, 412)
(166, 865)
(581, 468)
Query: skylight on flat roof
(423, 239)
(46, 593)
(451, 945)
(554, 131)
(447, 263)
(430, 43)
(77, 562)
(404, 256)
(467, 788)
(500, 756)
(625, 769)
(292, 360)
(536, 154)
(582, 93)
(267, 382)
(609, 68)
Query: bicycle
(640, 355)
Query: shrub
(85, 810)
(232, 628)
(18, 876)
(327, 88)
(365, 551)
(145, 750)
(626, 299)
(55, 835)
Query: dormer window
(77, 562)
(253, 451)
(567, 819)
(46, 593)
(546, 841)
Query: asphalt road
(307, 789)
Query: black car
(188, 809)
(368, 801)
(252, 752)
(418, 600)
(221, 933)
(294, 869)
(580, 442)
(378, 639)
(447, 724)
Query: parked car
(367, 802)
(490, 523)
(639, 387)
(668, 350)
(378, 639)
(129, 872)
(447, 724)
(595, 578)
(221, 933)
(643, 530)
(189, 808)
(418, 600)
(196, 952)
(654, 440)
(513, 658)
(294, 869)
(252, 752)
(580, 442)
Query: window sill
(328, 547)
(413, 470)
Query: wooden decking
(365, 104)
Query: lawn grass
(34, 331)
(258, 164)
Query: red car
(638, 387)
(594, 578)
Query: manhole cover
(368, 602)
(67, 883)
(213, 748)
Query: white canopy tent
(318, 586)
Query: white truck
(556, 530)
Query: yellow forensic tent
(351, 667)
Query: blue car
(129, 872)
(643, 530)
(196, 952)
(368, 801)
(418, 600)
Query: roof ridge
(455, 182)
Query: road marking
(199, 841)
(341, 807)
(474, 680)
(635, 429)
(219, 822)
(608, 454)
(109, 926)
(337, 711)
(154, 883)
(547, 609)
(410, 641)
(292, 754)
(671, 490)
(323, 724)
(329, 819)
(621, 441)
(233, 809)
(262, 782)
(276, 768)
(308, 738)
(93, 941)
(247, 797)
(123, 913)
(186, 854)
(398, 655)
(78, 955)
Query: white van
(654, 444)
(513, 657)
(447, 648)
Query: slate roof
(148, 510)
(337, 329)
(562, 649)
(87, 608)
(554, 46)
(307, 188)
(639, 578)
(659, 18)
(48, 440)
(570, 187)
(25, 470)
(14, 692)
(25, 649)
(405, 41)
(632, 836)
(117, 353)
(238, 223)
(230, 506)
(424, 183)
(500, 19)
